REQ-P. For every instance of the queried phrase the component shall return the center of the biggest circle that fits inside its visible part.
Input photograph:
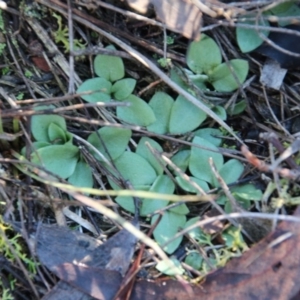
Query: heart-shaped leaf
(203, 55)
(100, 90)
(58, 159)
(222, 78)
(199, 160)
(161, 104)
(185, 116)
(138, 113)
(82, 176)
(123, 88)
(109, 67)
(56, 134)
(40, 125)
(168, 226)
(135, 168)
(164, 185)
(110, 139)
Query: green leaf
(166, 269)
(177, 79)
(99, 87)
(181, 209)
(163, 185)
(109, 67)
(248, 39)
(58, 159)
(287, 9)
(223, 80)
(40, 125)
(194, 259)
(238, 108)
(123, 88)
(220, 112)
(185, 116)
(185, 185)
(181, 159)
(82, 176)
(135, 168)
(145, 152)
(127, 203)
(161, 104)
(195, 233)
(230, 172)
(211, 135)
(138, 113)
(112, 140)
(247, 192)
(199, 160)
(56, 134)
(203, 55)
(168, 226)
(35, 146)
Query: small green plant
(233, 246)
(9, 240)
(205, 60)
(61, 35)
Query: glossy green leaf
(212, 135)
(56, 134)
(248, 39)
(100, 90)
(112, 140)
(168, 226)
(161, 104)
(123, 88)
(145, 152)
(109, 67)
(58, 159)
(163, 185)
(166, 269)
(185, 116)
(222, 78)
(188, 187)
(138, 113)
(203, 55)
(40, 125)
(199, 160)
(181, 159)
(82, 176)
(230, 172)
(135, 168)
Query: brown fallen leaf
(71, 254)
(181, 16)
